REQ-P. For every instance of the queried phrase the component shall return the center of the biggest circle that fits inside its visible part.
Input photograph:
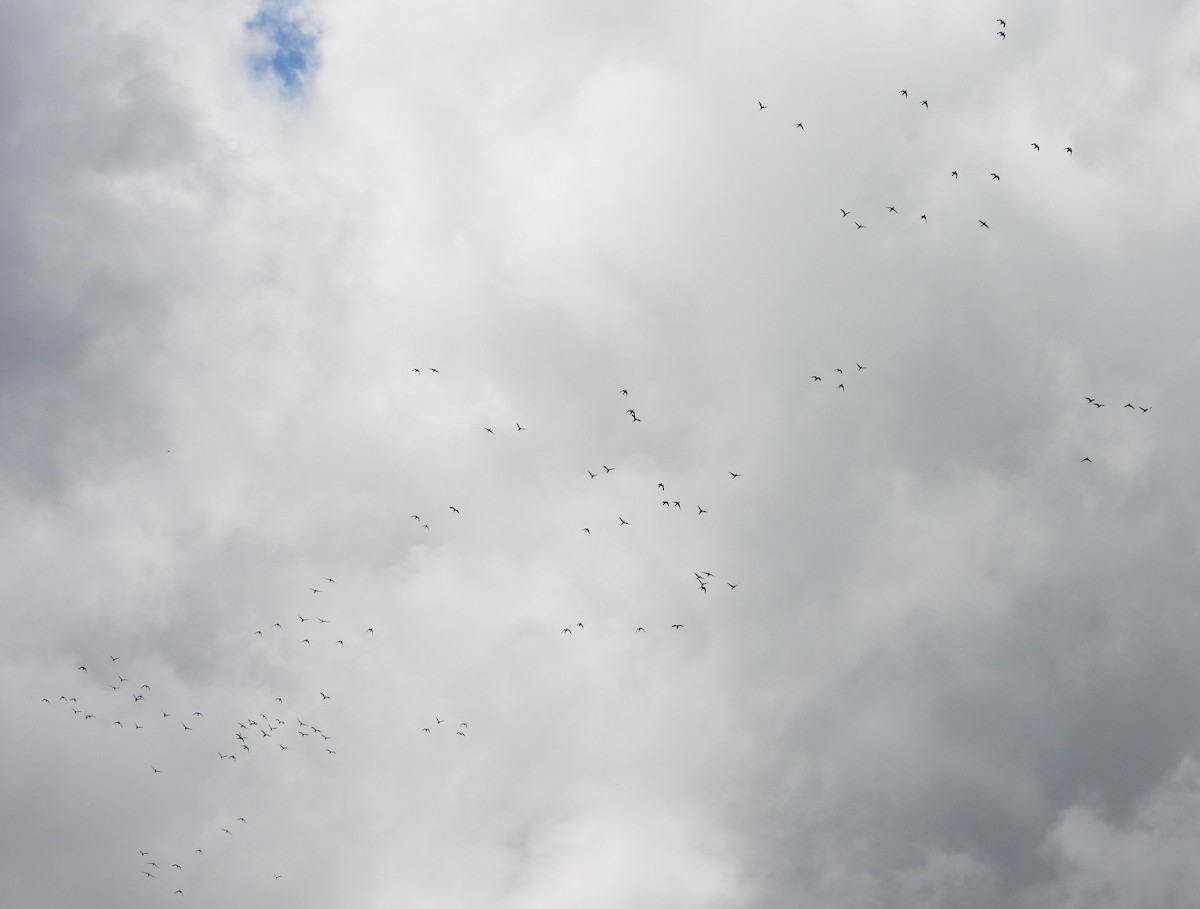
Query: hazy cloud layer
(957, 665)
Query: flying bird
(844, 212)
(801, 125)
(677, 626)
(925, 104)
(892, 209)
(1069, 150)
(608, 469)
(761, 106)
(815, 378)
(1002, 35)
(1036, 147)
(995, 176)
(954, 174)
(520, 428)
(701, 510)
(904, 93)
(488, 430)
(734, 475)
(1089, 460)
(983, 224)
(622, 520)
(858, 226)
(1003, 24)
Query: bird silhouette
(608, 469)
(1036, 147)
(1003, 24)
(676, 626)
(904, 93)
(844, 212)
(983, 224)
(1069, 150)
(1002, 35)
(858, 226)
(801, 125)
(925, 104)
(892, 209)
(1089, 460)
(995, 176)
(954, 174)
(734, 475)
(761, 106)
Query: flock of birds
(119, 702)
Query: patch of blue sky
(284, 45)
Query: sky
(280, 283)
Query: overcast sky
(929, 656)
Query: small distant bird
(1098, 405)
(860, 367)
(1003, 24)
(801, 125)
(842, 387)
(641, 629)
(155, 769)
(954, 174)
(904, 93)
(663, 488)
(324, 696)
(486, 429)
(314, 589)
(676, 504)
(923, 218)
(461, 733)
(677, 626)
(455, 510)
(608, 469)
(520, 428)
(592, 475)
(84, 668)
(701, 510)
(1130, 406)
(587, 530)
(625, 392)
(1069, 150)
(114, 659)
(1036, 147)
(577, 625)
(815, 378)
(1145, 409)
(1002, 35)
(761, 106)
(925, 104)
(426, 729)
(370, 631)
(734, 475)
(844, 212)
(983, 224)
(858, 226)
(1089, 460)
(995, 176)
(732, 586)
(331, 580)
(1089, 400)
(416, 370)
(892, 209)
(566, 631)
